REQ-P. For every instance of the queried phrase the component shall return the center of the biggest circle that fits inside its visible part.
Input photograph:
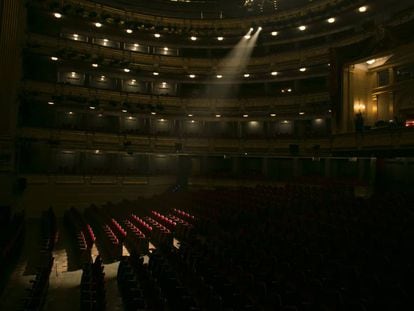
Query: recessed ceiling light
(166, 49)
(247, 36)
(155, 73)
(274, 33)
(246, 75)
(105, 40)
(73, 74)
(362, 9)
(124, 110)
(190, 115)
(302, 28)
(100, 115)
(95, 65)
(289, 90)
(260, 28)
(192, 121)
(92, 107)
(274, 73)
(371, 61)
(331, 20)
(303, 69)
(218, 115)
(153, 113)
(193, 38)
(57, 15)
(129, 31)
(54, 58)
(301, 113)
(245, 116)
(70, 112)
(192, 76)
(220, 38)
(157, 35)
(136, 45)
(50, 103)
(127, 70)
(273, 114)
(102, 78)
(133, 81)
(98, 25)
(219, 76)
(75, 36)
(162, 120)
(130, 117)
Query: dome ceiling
(209, 9)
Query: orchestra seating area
(292, 247)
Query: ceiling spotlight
(193, 38)
(73, 74)
(100, 115)
(155, 73)
(190, 115)
(157, 35)
(289, 90)
(274, 33)
(75, 36)
(192, 121)
(127, 70)
(218, 115)
(331, 20)
(301, 113)
(274, 73)
(371, 61)
(192, 76)
(95, 65)
(92, 107)
(220, 38)
(124, 110)
(251, 29)
(153, 113)
(136, 45)
(246, 75)
(57, 15)
(166, 49)
(50, 103)
(162, 120)
(273, 114)
(245, 116)
(247, 36)
(54, 58)
(133, 81)
(303, 69)
(260, 28)
(102, 78)
(105, 40)
(98, 25)
(219, 76)
(129, 31)
(302, 28)
(130, 118)
(70, 112)
(362, 9)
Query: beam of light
(232, 67)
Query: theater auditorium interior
(197, 155)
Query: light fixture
(127, 70)
(193, 38)
(153, 113)
(73, 74)
(124, 110)
(98, 25)
(162, 120)
(220, 38)
(289, 90)
(75, 36)
(331, 20)
(302, 27)
(371, 61)
(192, 121)
(362, 9)
(218, 115)
(251, 29)
(274, 33)
(219, 76)
(54, 58)
(50, 103)
(136, 45)
(129, 31)
(70, 112)
(303, 69)
(245, 116)
(190, 115)
(192, 76)
(97, 151)
(260, 28)
(100, 115)
(273, 114)
(133, 81)
(274, 73)
(246, 75)
(155, 73)
(102, 78)
(92, 107)
(157, 35)
(130, 117)
(105, 40)
(247, 36)
(301, 113)
(57, 15)
(95, 65)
